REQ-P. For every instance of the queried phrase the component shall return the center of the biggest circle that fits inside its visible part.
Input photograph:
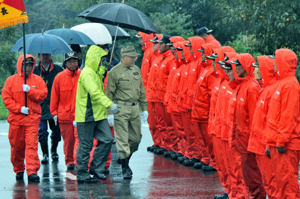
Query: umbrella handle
(112, 51)
(24, 63)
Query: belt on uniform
(126, 103)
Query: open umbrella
(71, 36)
(119, 14)
(121, 33)
(96, 31)
(42, 43)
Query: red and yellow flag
(12, 12)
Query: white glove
(74, 124)
(24, 110)
(145, 115)
(55, 119)
(115, 108)
(26, 88)
(110, 119)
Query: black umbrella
(121, 34)
(119, 14)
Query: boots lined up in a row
(181, 159)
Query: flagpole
(24, 62)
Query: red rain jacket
(165, 67)
(211, 39)
(256, 141)
(14, 97)
(204, 85)
(283, 119)
(245, 102)
(148, 51)
(62, 93)
(218, 91)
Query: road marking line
(3, 133)
(145, 125)
(70, 176)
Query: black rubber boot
(54, 154)
(44, 147)
(125, 170)
(33, 178)
(130, 171)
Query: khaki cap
(129, 51)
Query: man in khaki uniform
(125, 87)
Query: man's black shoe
(19, 176)
(160, 151)
(153, 148)
(70, 167)
(190, 162)
(98, 175)
(33, 178)
(126, 173)
(54, 156)
(208, 168)
(88, 180)
(168, 154)
(198, 165)
(149, 147)
(174, 157)
(106, 171)
(45, 159)
(221, 196)
(180, 160)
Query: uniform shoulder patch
(136, 73)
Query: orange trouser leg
(222, 169)
(152, 122)
(161, 125)
(201, 150)
(268, 174)
(208, 142)
(170, 128)
(24, 140)
(178, 126)
(237, 185)
(286, 173)
(190, 135)
(252, 176)
(76, 146)
(174, 135)
(67, 133)
(109, 156)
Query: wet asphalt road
(153, 177)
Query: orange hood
(20, 63)
(146, 38)
(246, 61)
(266, 68)
(176, 45)
(286, 63)
(208, 50)
(221, 56)
(196, 42)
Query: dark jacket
(48, 77)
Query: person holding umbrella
(24, 121)
(77, 49)
(47, 70)
(62, 93)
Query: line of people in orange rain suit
(207, 110)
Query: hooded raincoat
(91, 101)
(283, 125)
(23, 129)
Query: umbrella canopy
(121, 34)
(119, 14)
(42, 43)
(97, 32)
(71, 36)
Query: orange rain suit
(256, 140)
(23, 130)
(244, 110)
(283, 125)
